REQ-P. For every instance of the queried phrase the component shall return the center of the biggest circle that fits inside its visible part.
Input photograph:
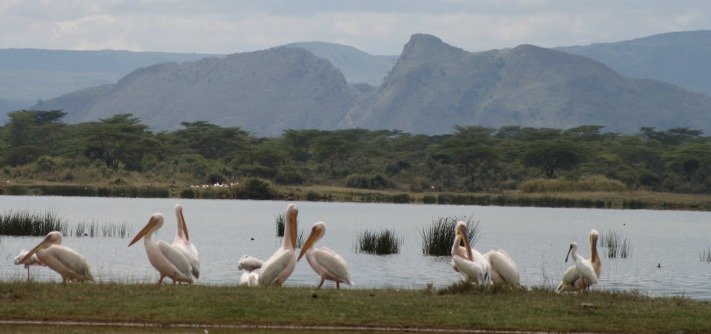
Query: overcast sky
(374, 26)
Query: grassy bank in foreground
(457, 307)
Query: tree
(119, 139)
(552, 155)
(211, 141)
(30, 134)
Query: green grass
(26, 223)
(456, 307)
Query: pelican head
(52, 238)
(153, 225)
(317, 232)
(573, 248)
(461, 231)
(291, 213)
(182, 227)
(593, 237)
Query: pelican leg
(160, 280)
(338, 285)
(28, 272)
(320, 284)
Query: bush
(254, 188)
(363, 181)
(592, 183)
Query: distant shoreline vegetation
(510, 166)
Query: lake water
(536, 238)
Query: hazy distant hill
(681, 58)
(263, 92)
(32, 74)
(357, 66)
(435, 86)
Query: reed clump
(437, 238)
(705, 256)
(616, 244)
(106, 230)
(379, 243)
(26, 223)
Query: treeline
(38, 146)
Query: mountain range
(431, 88)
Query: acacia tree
(118, 139)
(30, 134)
(552, 155)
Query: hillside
(357, 66)
(435, 86)
(681, 58)
(32, 74)
(263, 92)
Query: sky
(375, 26)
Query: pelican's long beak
(183, 226)
(34, 250)
(309, 242)
(291, 213)
(463, 235)
(146, 229)
(568, 255)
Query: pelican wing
(65, 260)
(504, 268)
(471, 270)
(190, 252)
(334, 263)
(567, 283)
(281, 263)
(176, 257)
(249, 263)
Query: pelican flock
(65, 261)
(325, 262)
(180, 262)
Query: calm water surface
(536, 238)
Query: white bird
(168, 260)
(325, 262)
(572, 281)
(62, 259)
(183, 244)
(468, 262)
(249, 263)
(249, 279)
(32, 261)
(282, 263)
(583, 267)
(503, 268)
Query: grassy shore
(456, 307)
(638, 199)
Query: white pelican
(32, 261)
(62, 259)
(468, 262)
(282, 263)
(583, 267)
(503, 268)
(168, 260)
(183, 244)
(572, 281)
(249, 279)
(249, 263)
(325, 262)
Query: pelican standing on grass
(62, 259)
(583, 267)
(282, 263)
(168, 260)
(572, 281)
(32, 261)
(325, 262)
(183, 244)
(503, 268)
(468, 262)
(250, 264)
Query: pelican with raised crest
(183, 244)
(62, 259)
(572, 281)
(168, 260)
(281, 264)
(467, 261)
(325, 262)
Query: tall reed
(617, 246)
(106, 230)
(25, 223)
(279, 220)
(705, 255)
(379, 243)
(437, 238)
